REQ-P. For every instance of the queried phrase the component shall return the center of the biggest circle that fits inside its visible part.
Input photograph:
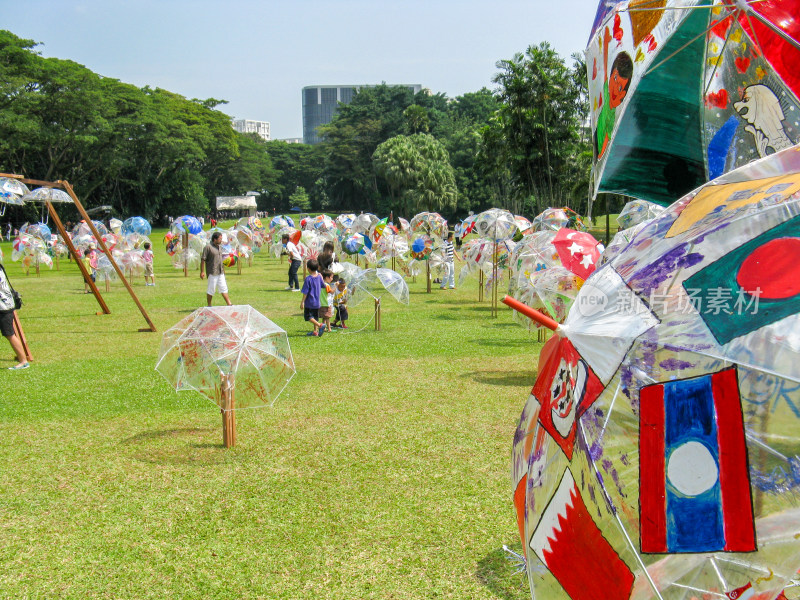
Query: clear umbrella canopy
(236, 342)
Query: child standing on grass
(147, 255)
(309, 303)
(87, 263)
(340, 301)
(326, 300)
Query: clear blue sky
(258, 55)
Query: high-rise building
(247, 126)
(320, 103)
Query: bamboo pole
(494, 281)
(377, 314)
(480, 285)
(228, 412)
(185, 242)
(428, 273)
(18, 331)
(103, 247)
(74, 254)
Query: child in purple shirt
(310, 300)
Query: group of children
(90, 257)
(322, 292)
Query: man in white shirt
(294, 262)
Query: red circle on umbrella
(772, 268)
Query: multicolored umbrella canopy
(421, 247)
(279, 222)
(358, 243)
(578, 251)
(186, 223)
(682, 91)
(138, 225)
(657, 455)
(553, 219)
(429, 223)
(237, 342)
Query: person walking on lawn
(211, 263)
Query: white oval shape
(692, 469)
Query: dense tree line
(153, 152)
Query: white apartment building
(261, 128)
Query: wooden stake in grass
(377, 314)
(185, 253)
(228, 411)
(21, 336)
(428, 271)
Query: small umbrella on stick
(233, 355)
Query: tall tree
(536, 131)
(418, 174)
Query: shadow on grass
(519, 378)
(496, 573)
(523, 344)
(160, 448)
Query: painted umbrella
(235, 342)
(44, 194)
(638, 211)
(186, 223)
(553, 219)
(279, 222)
(658, 453)
(12, 191)
(138, 225)
(429, 223)
(578, 250)
(682, 91)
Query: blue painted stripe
(694, 524)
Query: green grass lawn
(381, 472)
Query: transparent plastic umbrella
(236, 342)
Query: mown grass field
(381, 472)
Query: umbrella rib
(622, 529)
(719, 574)
(686, 45)
(755, 35)
(610, 409)
(755, 567)
(696, 589)
(752, 438)
(771, 26)
(716, 64)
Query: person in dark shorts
(310, 300)
(7, 322)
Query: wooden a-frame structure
(64, 185)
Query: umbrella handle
(531, 313)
